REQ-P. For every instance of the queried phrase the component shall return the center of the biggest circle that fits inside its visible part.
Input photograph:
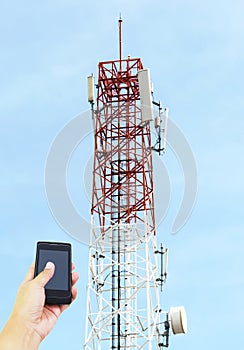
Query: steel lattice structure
(122, 180)
(123, 306)
(123, 310)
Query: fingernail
(49, 265)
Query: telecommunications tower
(124, 282)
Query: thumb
(46, 274)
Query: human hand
(30, 314)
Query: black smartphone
(58, 289)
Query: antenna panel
(145, 95)
(90, 88)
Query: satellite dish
(178, 319)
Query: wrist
(16, 335)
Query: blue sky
(195, 53)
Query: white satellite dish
(178, 319)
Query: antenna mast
(123, 306)
(120, 42)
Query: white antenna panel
(145, 95)
(90, 87)
(157, 122)
(165, 126)
(178, 319)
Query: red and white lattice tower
(123, 307)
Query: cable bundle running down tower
(123, 306)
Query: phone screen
(60, 258)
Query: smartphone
(58, 289)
